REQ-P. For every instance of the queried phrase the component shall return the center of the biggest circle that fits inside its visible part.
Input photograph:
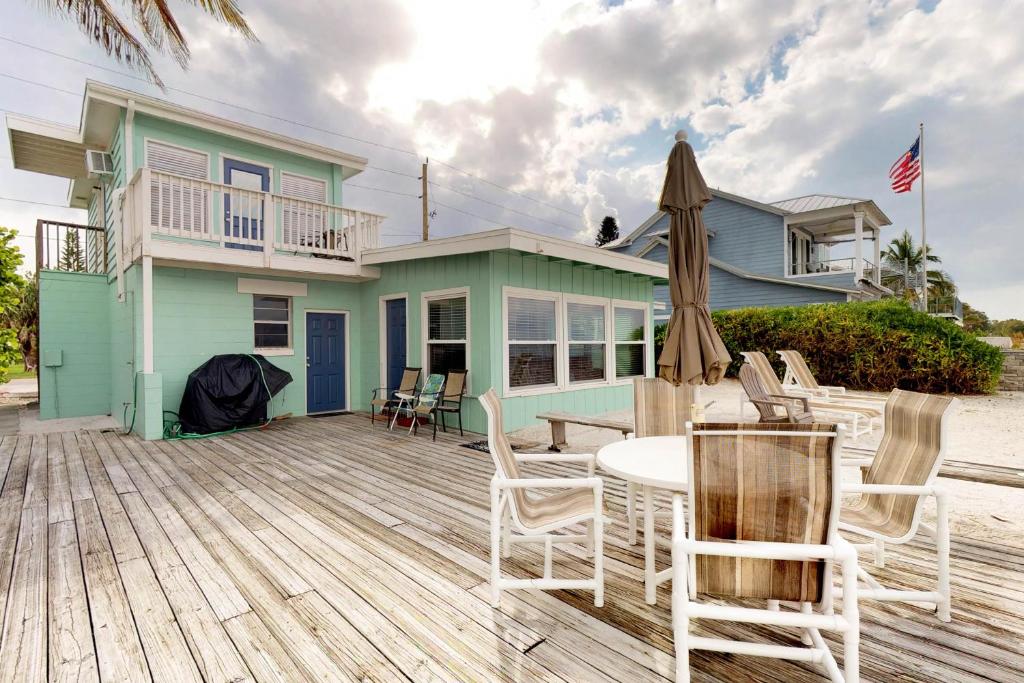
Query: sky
(550, 115)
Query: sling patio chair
(516, 506)
(423, 404)
(900, 476)
(799, 378)
(386, 398)
(659, 409)
(796, 407)
(451, 400)
(863, 418)
(763, 513)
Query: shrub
(874, 345)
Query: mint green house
(206, 236)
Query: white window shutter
(303, 224)
(176, 204)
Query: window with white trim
(630, 341)
(272, 322)
(304, 218)
(532, 342)
(176, 203)
(447, 334)
(586, 341)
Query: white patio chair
(534, 518)
(900, 476)
(863, 418)
(659, 409)
(798, 378)
(763, 515)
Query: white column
(147, 314)
(878, 255)
(858, 244)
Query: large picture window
(271, 317)
(447, 334)
(532, 342)
(630, 342)
(560, 342)
(587, 349)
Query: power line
(381, 189)
(468, 213)
(507, 189)
(303, 125)
(27, 201)
(500, 206)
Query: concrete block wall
(1012, 378)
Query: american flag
(907, 168)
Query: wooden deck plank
(319, 549)
(23, 647)
(119, 651)
(72, 653)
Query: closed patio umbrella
(693, 352)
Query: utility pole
(426, 211)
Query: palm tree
(904, 258)
(153, 18)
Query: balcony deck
(321, 550)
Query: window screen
(271, 317)
(447, 335)
(532, 342)
(587, 347)
(630, 342)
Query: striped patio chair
(515, 506)
(863, 418)
(761, 524)
(386, 398)
(798, 376)
(659, 409)
(900, 477)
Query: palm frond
(228, 12)
(102, 26)
(161, 28)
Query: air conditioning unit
(98, 163)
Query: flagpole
(924, 233)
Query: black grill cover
(227, 392)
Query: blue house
(813, 249)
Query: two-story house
(206, 236)
(814, 249)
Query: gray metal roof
(813, 202)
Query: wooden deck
(319, 550)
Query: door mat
(331, 414)
(517, 446)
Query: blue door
(243, 213)
(394, 321)
(325, 362)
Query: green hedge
(874, 345)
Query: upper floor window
(303, 214)
(174, 202)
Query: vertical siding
(119, 179)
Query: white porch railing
(207, 213)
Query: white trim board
(517, 240)
(271, 287)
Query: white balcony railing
(205, 213)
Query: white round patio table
(653, 462)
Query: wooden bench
(978, 472)
(559, 420)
